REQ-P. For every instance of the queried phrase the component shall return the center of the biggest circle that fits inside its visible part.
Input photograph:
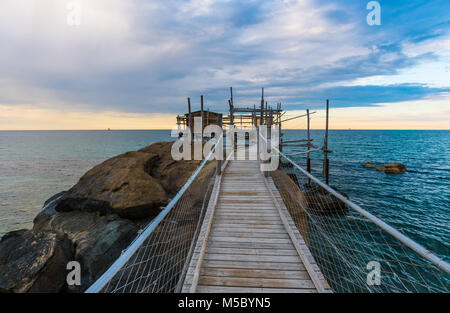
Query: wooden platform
(248, 242)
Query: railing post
(326, 162)
(269, 140)
(219, 159)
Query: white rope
(304, 152)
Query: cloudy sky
(131, 64)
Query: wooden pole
(201, 109)
(308, 159)
(261, 122)
(231, 96)
(280, 146)
(231, 113)
(326, 164)
(269, 137)
(190, 119)
(220, 137)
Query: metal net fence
(354, 253)
(155, 261)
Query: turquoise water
(34, 165)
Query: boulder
(294, 199)
(368, 164)
(120, 185)
(133, 185)
(34, 261)
(98, 240)
(320, 201)
(392, 168)
(171, 174)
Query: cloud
(141, 57)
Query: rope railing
(155, 261)
(355, 250)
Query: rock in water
(98, 240)
(320, 201)
(34, 261)
(120, 185)
(368, 164)
(392, 168)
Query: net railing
(155, 262)
(356, 251)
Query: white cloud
(431, 71)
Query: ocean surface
(34, 165)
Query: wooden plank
(227, 289)
(253, 265)
(250, 245)
(247, 214)
(252, 273)
(230, 251)
(254, 258)
(256, 282)
(262, 240)
(249, 227)
(243, 234)
(248, 230)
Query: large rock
(392, 168)
(320, 201)
(294, 199)
(171, 174)
(34, 261)
(133, 185)
(368, 164)
(120, 185)
(98, 240)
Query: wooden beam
(293, 118)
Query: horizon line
(168, 129)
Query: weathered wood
(308, 156)
(252, 273)
(256, 282)
(325, 147)
(248, 247)
(226, 289)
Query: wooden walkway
(248, 242)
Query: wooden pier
(248, 241)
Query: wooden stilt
(326, 163)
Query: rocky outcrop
(133, 185)
(392, 168)
(34, 261)
(368, 164)
(96, 219)
(98, 240)
(320, 201)
(120, 185)
(294, 199)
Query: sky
(131, 64)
